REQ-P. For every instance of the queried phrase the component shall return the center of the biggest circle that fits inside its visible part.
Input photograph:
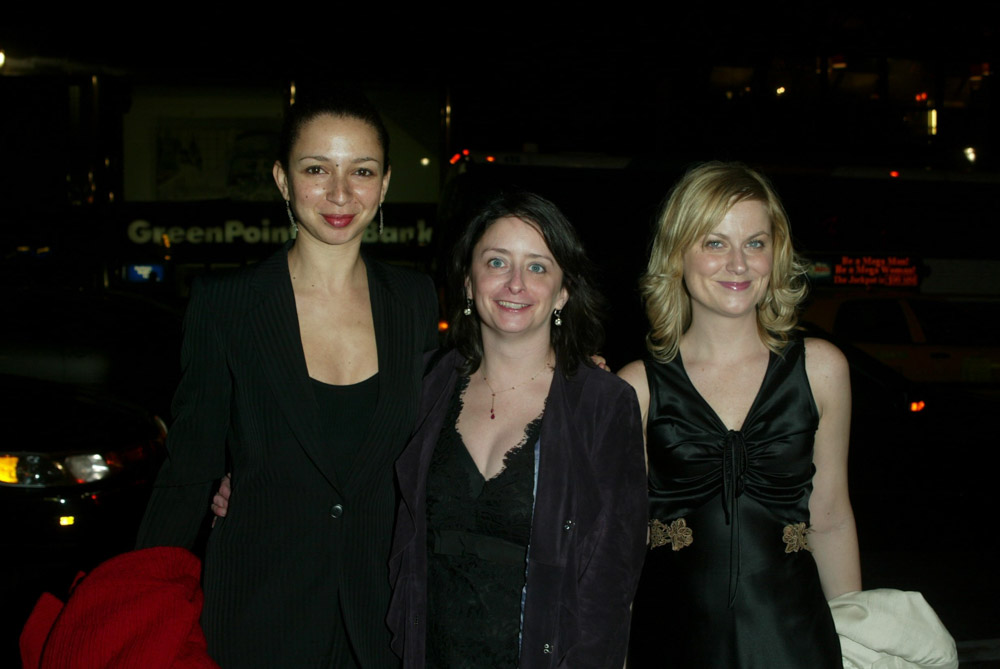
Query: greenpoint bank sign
(143, 232)
(230, 232)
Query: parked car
(75, 466)
(76, 470)
(929, 339)
(85, 378)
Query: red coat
(139, 609)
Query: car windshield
(958, 323)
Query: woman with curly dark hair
(521, 532)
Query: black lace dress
(477, 539)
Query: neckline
(530, 426)
(753, 405)
(347, 386)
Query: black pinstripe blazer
(302, 533)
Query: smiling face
(514, 280)
(334, 179)
(727, 271)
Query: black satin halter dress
(728, 581)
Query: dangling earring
(381, 223)
(291, 219)
(468, 307)
(557, 313)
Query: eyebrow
(497, 249)
(762, 233)
(355, 161)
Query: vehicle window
(872, 321)
(957, 323)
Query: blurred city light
(67, 520)
(781, 90)
(970, 154)
(3, 58)
(894, 174)
(442, 326)
(932, 122)
(917, 406)
(425, 161)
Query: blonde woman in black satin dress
(747, 436)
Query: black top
(477, 541)
(345, 411)
(733, 586)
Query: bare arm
(833, 536)
(635, 374)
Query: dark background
(642, 98)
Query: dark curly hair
(581, 334)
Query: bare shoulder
(829, 375)
(635, 374)
(824, 360)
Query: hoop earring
(468, 307)
(291, 219)
(381, 223)
(557, 313)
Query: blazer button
(568, 525)
(547, 649)
(336, 511)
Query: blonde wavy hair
(697, 204)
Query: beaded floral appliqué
(794, 537)
(677, 534)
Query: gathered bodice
(694, 457)
(730, 574)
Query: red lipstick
(338, 220)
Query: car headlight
(87, 468)
(31, 469)
(40, 470)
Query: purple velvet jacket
(588, 533)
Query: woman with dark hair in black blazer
(301, 376)
(522, 527)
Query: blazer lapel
(562, 474)
(393, 341)
(413, 465)
(558, 430)
(274, 326)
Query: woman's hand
(220, 502)
(600, 362)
